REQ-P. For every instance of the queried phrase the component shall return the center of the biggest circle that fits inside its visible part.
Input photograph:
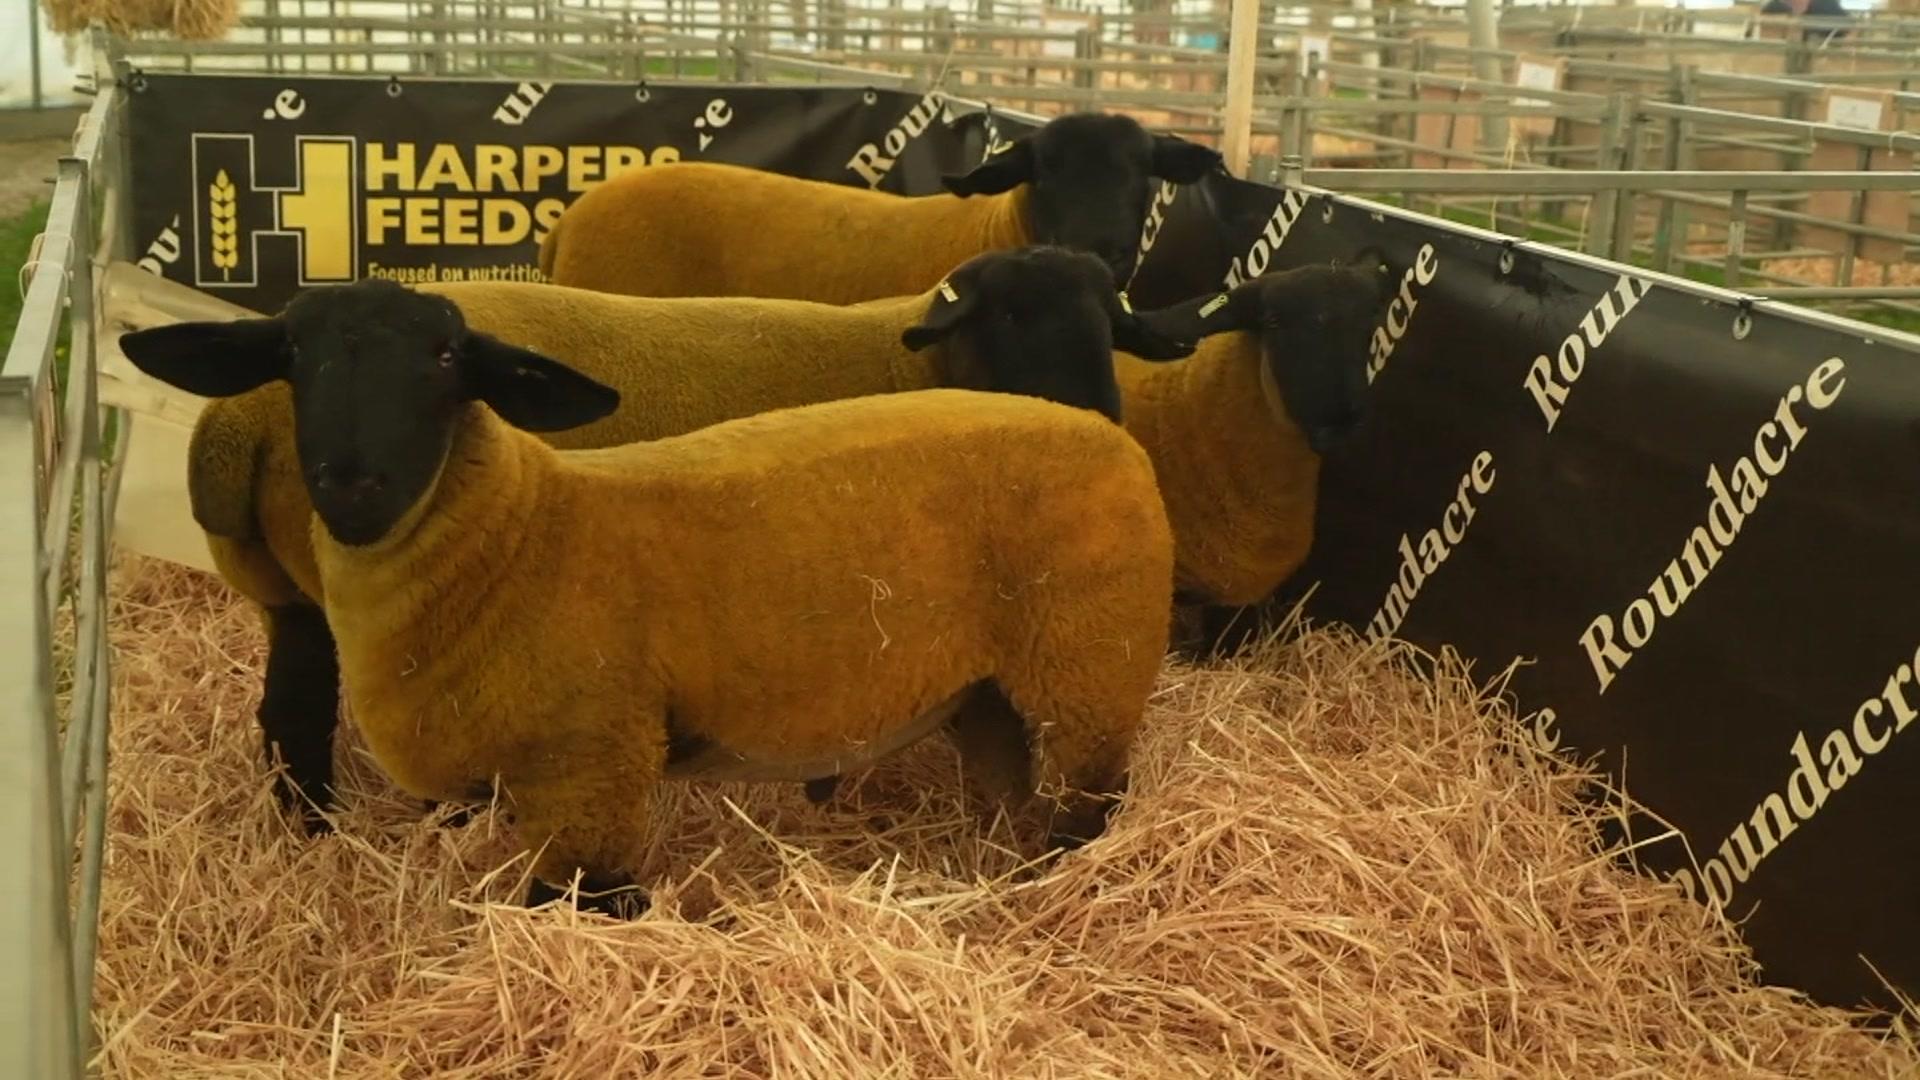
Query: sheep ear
(1132, 334)
(211, 359)
(530, 391)
(1181, 161)
(1002, 172)
(948, 308)
(1372, 257)
(1205, 316)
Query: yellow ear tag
(1213, 305)
(1126, 305)
(946, 290)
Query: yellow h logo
(316, 211)
(322, 210)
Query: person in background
(1825, 9)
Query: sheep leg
(299, 709)
(1081, 743)
(992, 740)
(1227, 630)
(586, 809)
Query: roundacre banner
(1695, 524)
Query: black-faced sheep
(1040, 322)
(1083, 181)
(1236, 430)
(779, 597)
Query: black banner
(250, 187)
(1695, 523)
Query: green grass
(16, 241)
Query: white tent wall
(61, 58)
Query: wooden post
(1243, 40)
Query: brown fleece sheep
(772, 598)
(1036, 321)
(1236, 430)
(1084, 181)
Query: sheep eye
(446, 356)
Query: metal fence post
(1604, 209)
(943, 31)
(1626, 208)
(1736, 238)
(1296, 118)
(1086, 47)
(40, 1033)
(1671, 229)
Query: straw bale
(1329, 865)
(187, 20)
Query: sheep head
(1040, 321)
(1315, 325)
(1089, 180)
(381, 377)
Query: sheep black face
(1043, 322)
(1090, 178)
(380, 375)
(1315, 324)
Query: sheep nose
(346, 479)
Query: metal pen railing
(53, 775)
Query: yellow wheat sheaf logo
(226, 223)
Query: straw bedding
(1328, 866)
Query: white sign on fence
(1846, 110)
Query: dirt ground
(26, 169)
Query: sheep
(1035, 321)
(702, 229)
(1235, 432)
(771, 598)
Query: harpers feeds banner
(1698, 525)
(250, 187)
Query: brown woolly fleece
(784, 596)
(1242, 507)
(659, 232)
(679, 364)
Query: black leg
(300, 708)
(1072, 831)
(1226, 630)
(821, 789)
(617, 897)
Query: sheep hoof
(821, 789)
(315, 823)
(1085, 822)
(614, 897)
(311, 811)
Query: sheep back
(793, 586)
(705, 229)
(1239, 478)
(679, 364)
